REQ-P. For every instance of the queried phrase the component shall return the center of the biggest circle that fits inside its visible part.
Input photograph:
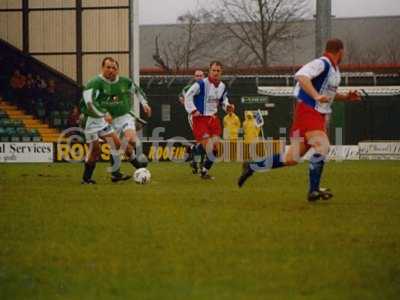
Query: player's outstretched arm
(142, 99)
(351, 96)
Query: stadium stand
(16, 126)
(33, 95)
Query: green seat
(56, 114)
(25, 138)
(55, 119)
(7, 123)
(34, 135)
(11, 131)
(13, 135)
(23, 134)
(12, 123)
(41, 112)
(3, 133)
(36, 138)
(40, 109)
(18, 124)
(56, 122)
(64, 118)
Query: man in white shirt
(201, 102)
(316, 89)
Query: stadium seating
(16, 126)
(12, 130)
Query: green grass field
(183, 238)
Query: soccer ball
(142, 176)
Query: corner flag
(259, 119)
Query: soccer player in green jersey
(113, 94)
(96, 128)
(119, 92)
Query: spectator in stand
(29, 94)
(40, 83)
(74, 120)
(17, 83)
(50, 98)
(74, 117)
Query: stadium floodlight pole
(134, 48)
(323, 25)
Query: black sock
(139, 161)
(135, 163)
(198, 153)
(316, 167)
(88, 171)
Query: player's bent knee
(291, 162)
(322, 149)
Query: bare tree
(189, 44)
(160, 62)
(372, 54)
(239, 56)
(260, 25)
(392, 46)
(392, 51)
(352, 49)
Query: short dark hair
(334, 46)
(109, 58)
(216, 62)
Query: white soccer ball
(142, 176)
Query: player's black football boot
(118, 176)
(195, 167)
(322, 193)
(314, 196)
(204, 175)
(325, 193)
(88, 181)
(247, 172)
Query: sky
(166, 11)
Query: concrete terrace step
(48, 134)
(13, 111)
(52, 138)
(34, 124)
(21, 116)
(7, 107)
(43, 131)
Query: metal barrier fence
(240, 151)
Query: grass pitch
(183, 238)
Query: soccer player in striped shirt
(201, 102)
(194, 159)
(316, 89)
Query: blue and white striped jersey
(204, 97)
(325, 79)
